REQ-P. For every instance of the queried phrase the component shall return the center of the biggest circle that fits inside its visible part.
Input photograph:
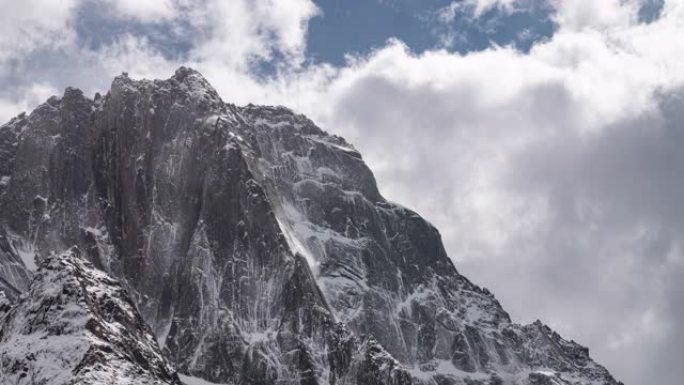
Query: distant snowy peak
(76, 325)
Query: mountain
(255, 245)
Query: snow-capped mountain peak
(255, 245)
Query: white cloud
(32, 24)
(39, 43)
(24, 98)
(146, 10)
(135, 56)
(239, 32)
(475, 7)
(578, 14)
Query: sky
(542, 137)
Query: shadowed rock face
(255, 245)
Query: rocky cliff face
(255, 245)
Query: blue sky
(541, 137)
(355, 27)
(358, 26)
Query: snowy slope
(76, 325)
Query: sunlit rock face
(255, 246)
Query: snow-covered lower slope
(76, 325)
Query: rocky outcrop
(76, 325)
(255, 245)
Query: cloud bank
(553, 175)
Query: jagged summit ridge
(256, 246)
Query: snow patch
(445, 368)
(24, 250)
(295, 245)
(332, 145)
(189, 380)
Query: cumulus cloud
(84, 43)
(578, 14)
(25, 98)
(26, 26)
(239, 32)
(553, 175)
(146, 11)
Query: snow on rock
(78, 326)
(383, 269)
(189, 380)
